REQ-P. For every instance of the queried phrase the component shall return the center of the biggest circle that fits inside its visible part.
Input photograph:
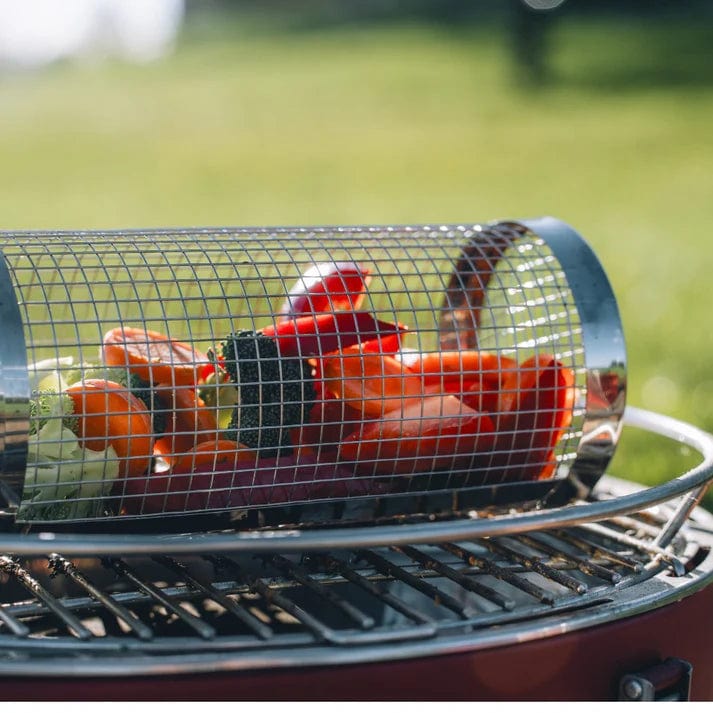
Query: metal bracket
(669, 680)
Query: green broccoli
(46, 406)
(275, 393)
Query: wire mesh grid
(222, 370)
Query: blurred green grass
(408, 124)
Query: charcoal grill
(578, 586)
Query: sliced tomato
(153, 356)
(110, 415)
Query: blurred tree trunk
(530, 32)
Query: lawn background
(254, 122)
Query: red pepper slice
(464, 366)
(528, 433)
(386, 343)
(327, 287)
(314, 335)
(481, 396)
(436, 433)
(374, 384)
(330, 421)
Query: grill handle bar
(693, 483)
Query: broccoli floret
(48, 406)
(275, 393)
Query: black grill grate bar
(73, 624)
(385, 566)
(319, 630)
(202, 628)
(596, 549)
(14, 626)
(64, 566)
(501, 573)
(500, 546)
(293, 570)
(383, 595)
(586, 566)
(638, 545)
(207, 588)
(468, 583)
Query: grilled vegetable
(463, 367)
(315, 335)
(261, 481)
(371, 383)
(152, 356)
(327, 287)
(540, 410)
(275, 393)
(46, 406)
(330, 421)
(189, 421)
(143, 390)
(59, 468)
(435, 433)
(109, 415)
(218, 454)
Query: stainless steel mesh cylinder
(144, 373)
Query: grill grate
(64, 608)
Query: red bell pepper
(327, 287)
(386, 343)
(374, 384)
(541, 409)
(481, 395)
(464, 367)
(330, 421)
(314, 335)
(435, 433)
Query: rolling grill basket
(314, 348)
